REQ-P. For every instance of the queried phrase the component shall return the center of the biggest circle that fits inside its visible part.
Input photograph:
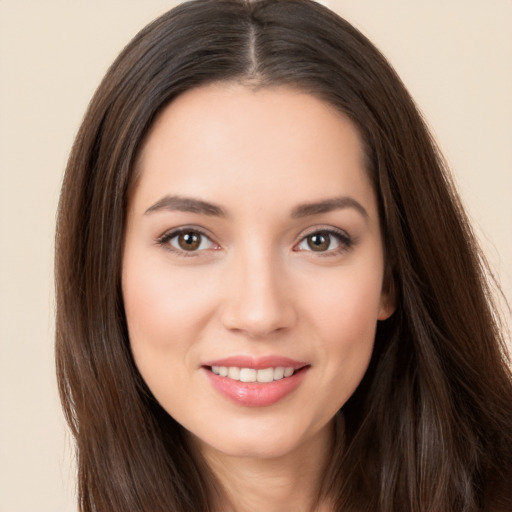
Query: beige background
(455, 56)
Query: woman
(268, 292)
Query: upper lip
(258, 363)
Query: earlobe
(387, 300)
(386, 310)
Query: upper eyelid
(164, 240)
(324, 229)
(345, 240)
(172, 232)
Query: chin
(257, 441)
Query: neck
(287, 482)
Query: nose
(258, 299)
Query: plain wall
(455, 57)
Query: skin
(254, 286)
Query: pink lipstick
(255, 382)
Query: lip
(258, 363)
(256, 394)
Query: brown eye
(189, 241)
(330, 242)
(319, 242)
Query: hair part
(428, 429)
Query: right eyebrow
(328, 205)
(186, 204)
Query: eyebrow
(328, 205)
(186, 204)
(191, 205)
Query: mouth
(256, 382)
(264, 375)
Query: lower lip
(256, 394)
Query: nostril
(257, 322)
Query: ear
(388, 296)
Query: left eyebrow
(328, 205)
(186, 204)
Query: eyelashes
(192, 241)
(325, 242)
(187, 241)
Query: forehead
(225, 140)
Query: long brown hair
(430, 426)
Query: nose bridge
(258, 299)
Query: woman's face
(253, 267)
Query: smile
(255, 382)
(264, 375)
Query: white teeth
(234, 373)
(278, 373)
(266, 375)
(247, 375)
(252, 375)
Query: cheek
(344, 316)
(164, 310)
(348, 338)
(346, 304)
(156, 294)
(165, 316)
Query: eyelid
(346, 242)
(163, 240)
